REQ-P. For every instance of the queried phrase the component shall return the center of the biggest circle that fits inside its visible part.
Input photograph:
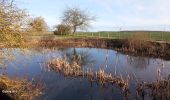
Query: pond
(31, 64)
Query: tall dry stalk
(138, 39)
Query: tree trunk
(74, 29)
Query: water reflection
(31, 63)
(83, 57)
(138, 62)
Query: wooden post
(162, 35)
(150, 36)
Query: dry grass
(74, 70)
(139, 40)
(21, 89)
(158, 90)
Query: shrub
(37, 25)
(139, 40)
(62, 29)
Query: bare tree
(77, 18)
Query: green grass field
(153, 35)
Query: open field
(152, 35)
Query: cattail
(163, 64)
(158, 72)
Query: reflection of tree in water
(5, 56)
(16, 56)
(80, 56)
(138, 62)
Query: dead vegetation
(134, 46)
(141, 43)
(139, 40)
(19, 89)
(101, 77)
(158, 90)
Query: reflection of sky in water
(29, 63)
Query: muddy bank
(149, 49)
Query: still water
(30, 64)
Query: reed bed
(101, 77)
(158, 90)
(19, 89)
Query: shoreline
(152, 49)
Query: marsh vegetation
(66, 72)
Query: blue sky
(111, 14)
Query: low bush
(62, 29)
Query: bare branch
(77, 18)
(12, 2)
(11, 23)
